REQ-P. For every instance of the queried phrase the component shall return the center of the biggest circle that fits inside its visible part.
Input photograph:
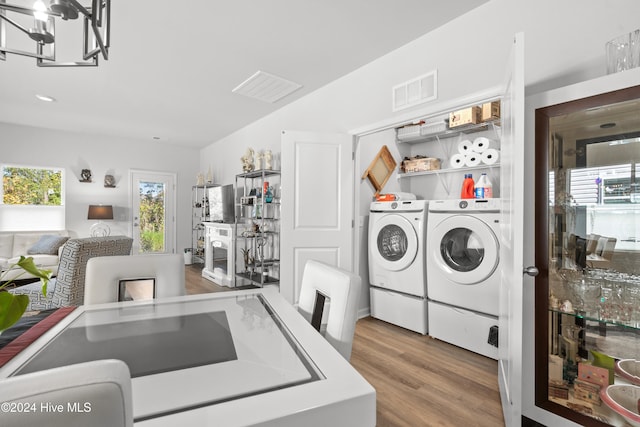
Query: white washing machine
(463, 277)
(397, 263)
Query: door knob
(531, 271)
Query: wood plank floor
(419, 381)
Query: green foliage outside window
(31, 186)
(152, 213)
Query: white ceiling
(172, 65)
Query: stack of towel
(481, 151)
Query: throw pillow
(47, 245)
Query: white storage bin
(402, 310)
(464, 328)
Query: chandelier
(32, 30)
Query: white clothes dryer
(463, 277)
(397, 263)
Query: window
(31, 186)
(32, 198)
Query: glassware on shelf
(623, 52)
(632, 299)
(591, 290)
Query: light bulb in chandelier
(40, 32)
(40, 11)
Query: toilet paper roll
(472, 159)
(490, 156)
(465, 146)
(481, 144)
(457, 161)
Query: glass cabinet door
(588, 251)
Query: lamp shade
(100, 212)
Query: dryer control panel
(471, 205)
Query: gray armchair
(68, 287)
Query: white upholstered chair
(104, 275)
(99, 392)
(342, 288)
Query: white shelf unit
(447, 139)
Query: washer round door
(393, 242)
(465, 248)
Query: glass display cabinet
(587, 307)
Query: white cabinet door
(511, 237)
(317, 204)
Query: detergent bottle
(478, 189)
(467, 187)
(488, 187)
(483, 188)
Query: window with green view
(24, 185)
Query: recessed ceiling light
(45, 98)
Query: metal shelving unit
(199, 215)
(258, 228)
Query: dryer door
(394, 242)
(468, 249)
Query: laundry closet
(433, 262)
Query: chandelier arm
(98, 37)
(96, 23)
(26, 10)
(81, 8)
(46, 64)
(14, 23)
(28, 54)
(101, 45)
(96, 9)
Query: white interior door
(153, 205)
(511, 237)
(317, 204)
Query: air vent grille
(415, 91)
(266, 87)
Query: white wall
(102, 155)
(564, 44)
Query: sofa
(43, 246)
(67, 289)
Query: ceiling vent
(415, 91)
(266, 87)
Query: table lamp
(100, 212)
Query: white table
(226, 359)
